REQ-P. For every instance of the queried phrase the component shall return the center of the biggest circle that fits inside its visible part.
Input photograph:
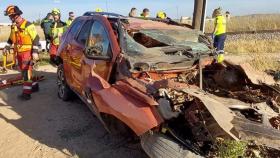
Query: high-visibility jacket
(142, 16)
(24, 37)
(57, 29)
(69, 22)
(220, 23)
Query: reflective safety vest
(142, 16)
(24, 37)
(220, 23)
(57, 29)
(69, 22)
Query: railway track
(250, 32)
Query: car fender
(129, 105)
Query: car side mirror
(95, 52)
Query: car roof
(140, 24)
(137, 23)
(111, 15)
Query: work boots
(24, 97)
(35, 87)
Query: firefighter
(161, 15)
(133, 12)
(70, 19)
(46, 26)
(98, 10)
(25, 39)
(145, 13)
(57, 29)
(219, 33)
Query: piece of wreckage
(167, 88)
(236, 102)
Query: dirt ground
(47, 127)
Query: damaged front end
(234, 108)
(235, 103)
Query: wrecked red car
(158, 79)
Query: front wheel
(157, 145)
(64, 92)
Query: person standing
(98, 10)
(57, 29)
(46, 26)
(145, 13)
(25, 39)
(161, 15)
(133, 12)
(219, 33)
(70, 19)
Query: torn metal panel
(221, 113)
(256, 77)
(262, 135)
(120, 102)
(275, 122)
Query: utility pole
(107, 6)
(199, 14)
(177, 9)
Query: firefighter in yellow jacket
(219, 33)
(57, 29)
(25, 39)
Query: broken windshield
(141, 41)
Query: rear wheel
(157, 145)
(64, 92)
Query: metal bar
(200, 75)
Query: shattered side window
(134, 48)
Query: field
(5, 32)
(250, 23)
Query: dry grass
(252, 46)
(249, 23)
(262, 63)
(263, 54)
(5, 32)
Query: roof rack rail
(90, 13)
(167, 21)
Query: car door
(78, 46)
(97, 69)
(71, 34)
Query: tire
(64, 92)
(160, 146)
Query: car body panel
(128, 105)
(120, 100)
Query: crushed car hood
(167, 57)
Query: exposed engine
(232, 108)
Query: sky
(35, 9)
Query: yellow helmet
(161, 15)
(56, 11)
(98, 10)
